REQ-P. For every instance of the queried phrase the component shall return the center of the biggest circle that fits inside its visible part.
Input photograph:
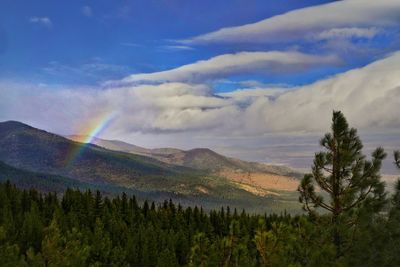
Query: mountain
(198, 158)
(50, 183)
(33, 157)
(46, 183)
(41, 181)
(251, 176)
(111, 144)
(28, 148)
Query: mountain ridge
(256, 178)
(29, 149)
(188, 158)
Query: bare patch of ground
(202, 189)
(264, 181)
(256, 190)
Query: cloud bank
(369, 97)
(309, 22)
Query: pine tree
(98, 204)
(52, 245)
(32, 228)
(230, 243)
(200, 250)
(100, 244)
(9, 253)
(396, 195)
(397, 158)
(76, 250)
(167, 259)
(34, 260)
(389, 234)
(343, 174)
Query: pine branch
(323, 184)
(321, 204)
(360, 198)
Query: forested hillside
(350, 220)
(86, 229)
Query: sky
(256, 80)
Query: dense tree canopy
(86, 229)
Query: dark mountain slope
(36, 150)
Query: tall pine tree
(343, 175)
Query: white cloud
(369, 97)
(248, 95)
(176, 47)
(131, 44)
(169, 107)
(231, 64)
(87, 11)
(307, 22)
(44, 21)
(350, 32)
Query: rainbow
(88, 132)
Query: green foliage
(200, 250)
(86, 229)
(9, 253)
(32, 229)
(350, 181)
(397, 158)
(378, 237)
(167, 259)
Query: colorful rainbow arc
(91, 131)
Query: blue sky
(241, 77)
(123, 36)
